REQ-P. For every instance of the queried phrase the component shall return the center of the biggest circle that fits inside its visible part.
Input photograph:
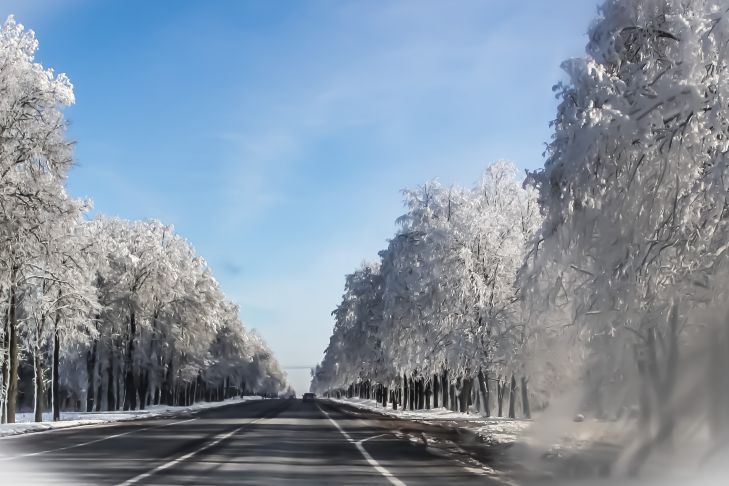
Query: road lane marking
(370, 438)
(218, 439)
(95, 441)
(182, 458)
(372, 462)
(476, 468)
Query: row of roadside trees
(437, 317)
(99, 314)
(606, 274)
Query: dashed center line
(182, 458)
(358, 443)
(217, 440)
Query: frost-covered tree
(61, 315)
(440, 311)
(34, 159)
(635, 199)
(166, 326)
(112, 312)
(505, 218)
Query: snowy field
(24, 421)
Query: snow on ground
(565, 432)
(494, 430)
(549, 446)
(24, 421)
(556, 446)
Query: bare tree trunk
(412, 396)
(90, 377)
(428, 392)
(435, 391)
(512, 398)
(5, 373)
(659, 388)
(668, 381)
(119, 383)
(130, 390)
(39, 399)
(110, 382)
(168, 383)
(420, 389)
(444, 388)
(99, 390)
(464, 395)
(99, 393)
(143, 388)
(500, 392)
(56, 366)
(38, 372)
(405, 391)
(719, 358)
(477, 399)
(452, 397)
(525, 398)
(12, 388)
(484, 390)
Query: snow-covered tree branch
(112, 313)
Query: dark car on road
(308, 397)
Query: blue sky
(276, 136)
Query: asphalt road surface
(262, 442)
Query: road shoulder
(86, 419)
(460, 444)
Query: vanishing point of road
(267, 442)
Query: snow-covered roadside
(493, 430)
(531, 449)
(24, 421)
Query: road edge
(161, 415)
(442, 447)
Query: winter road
(261, 442)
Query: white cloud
(37, 10)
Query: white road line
(95, 441)
(387, 474)
(182, 458)
(370, 438)
(218, 439)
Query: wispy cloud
(422, 60)
(39, 10)
(380, 86)
(232, 268)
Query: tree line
(99, 314)
(437, 317)
(605, 272)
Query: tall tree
(34, 159)
(635, 199)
